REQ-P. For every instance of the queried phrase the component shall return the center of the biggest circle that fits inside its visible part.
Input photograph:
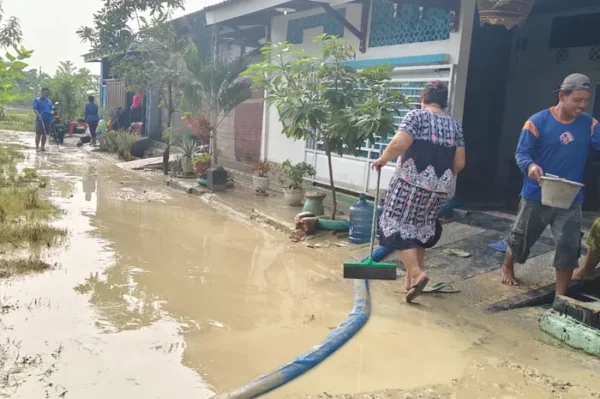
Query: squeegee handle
(374, 225)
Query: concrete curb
(212, 201)
(271, 221)
(178, 185)
(216, 203)
(573, 333)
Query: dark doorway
(484, 110)
(591, 177)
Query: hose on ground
(338, 337)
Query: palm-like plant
(216, 86)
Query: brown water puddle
(159, 297)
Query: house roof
(220, 4)
(92, 57)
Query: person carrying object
(92, 117)
(553, 141)
(42, 107)
(432, 146)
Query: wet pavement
(157, 295)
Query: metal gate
(353, 173)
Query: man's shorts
(532, 220)
(39, 128)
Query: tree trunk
(170, 112)
(331, 182)
(213, 126)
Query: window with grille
(411, 88)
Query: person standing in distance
(92, 117)
(553, 141)
(42, 105)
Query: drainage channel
(584, 291)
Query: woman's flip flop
(417, 289)
(441, 288)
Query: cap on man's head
(576, 82)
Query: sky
(49, 28)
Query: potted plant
(189, 146)
(292, 181)
(260, 180)
(200, 164)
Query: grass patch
(22, 266)
(17, 126)
(24, 215)
(18, 203)
(18, 121)
(34, 233)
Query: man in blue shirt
(42, 107)
(554, 141)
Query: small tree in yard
(325, 100)
(156, 62)
(216, 85)
(70, 88)
(148, 58)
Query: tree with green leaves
(156, 62)
(321, 98)
(150, 58)
(32, 84)
(13, 63)
(70, 88)
(112, 33)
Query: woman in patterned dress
(432, 150)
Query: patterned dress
(421, 183)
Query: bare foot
(508, 276)
(406, 282)
(583, 274)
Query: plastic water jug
(361, 219)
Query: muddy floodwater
(156, 295)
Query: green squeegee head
(370, 270)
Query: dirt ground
(156, 295)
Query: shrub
(117, 142)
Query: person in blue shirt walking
(42, 107)
(553, 141)
(91, 117)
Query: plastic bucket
(559, 193)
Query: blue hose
(338, 337)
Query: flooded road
(158, 296)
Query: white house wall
(350, 172)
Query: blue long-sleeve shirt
(42, 106)
(91, 112)
(558, 148)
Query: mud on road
(157, 296)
